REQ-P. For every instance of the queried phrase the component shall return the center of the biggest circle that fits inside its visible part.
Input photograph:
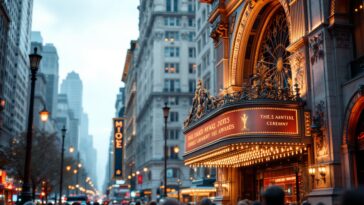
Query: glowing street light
(71, 149)
(44, 114)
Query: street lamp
(44, 114)
(26, 194)
(72, 149)
(165, 115)
(64, 130)
(2, 104)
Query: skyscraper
(50, 67)
(164, 61)
(16, 69)
(72, 87)
(47, 82)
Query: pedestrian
(206, 201)
(244, 202)
(353, 197)
(153, 203)
(306, 203)
(273, 195)
(256, 203)
(169, 201)
(138, 203)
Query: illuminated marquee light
(118, 124)
(247, 154)
(272, 121)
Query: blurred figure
(256, 203)
(353, 197)
(306, 203)
(206, 201)
(244, 202)
(153, 203)
(274, 195)
(320, 203)
(170, 202)
(138, 203)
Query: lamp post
(165, 114)
(2, 107)
(26, 195)
(64, 130)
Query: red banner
(245, 121)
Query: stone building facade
(302, 55)
(164, 53)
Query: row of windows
(174, 68)
(176, 21)
(175, 52)
(173, 5)
(171, 36)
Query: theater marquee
(118, 124)
(267, 121)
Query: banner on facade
(269, 121)
(118, 124)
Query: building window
(191, 22)
(171, 52)
(172, 21)
(173, 134)
(173, 100)
(191, 6)
(172, 153)
(172, 5)
(171, 67)
(192, 52)
(191, 86)
(198, 24)
(191, 36)
(172, 173)
(172, 85)
(171, 36)
(206, 81)
(191, 68)
(173, 116)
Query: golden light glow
(145, 169)
(75, 171)
(247, 154)
(68, 168)
(72, 149)
(137, 172)
(44, 115)
(312, 171)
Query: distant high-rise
(47, 83)
(16, 70)
(50, 67)
(65, 117)
(72, 86)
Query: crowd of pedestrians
(274, 195)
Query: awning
(195, 191)
(246, 154)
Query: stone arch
(241, 35)
(352, 114)
(349, 159)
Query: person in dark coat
(273, 195)
(206, 201)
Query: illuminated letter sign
(118, 147)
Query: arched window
(273, 58)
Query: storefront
(254, 143)
(290, 105)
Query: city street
(182, 102)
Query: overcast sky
(91, 37)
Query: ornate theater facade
(290, 108)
